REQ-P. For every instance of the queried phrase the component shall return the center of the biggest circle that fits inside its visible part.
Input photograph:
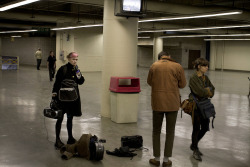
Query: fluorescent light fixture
(205, 35)
(16, 5)
(184, 36)
(6, 32)
(144, 37)
(17, 36)
(226, 39)
(198, 28)
(74, 27)
(225, 13)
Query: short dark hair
(200, 61)
(163, 53)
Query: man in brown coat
(165, 78)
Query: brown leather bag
(188, 106)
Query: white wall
(177, 47)
(232, 55)
(87, 42)
(26, 47)
(145, 56)
(89, 45)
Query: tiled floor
(27, 137)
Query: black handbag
(132, 141)
(67, 92)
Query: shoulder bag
(206, 108)
(67, 92)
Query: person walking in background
(165, 78)
(38, 56)
(51, 65)
(201, 88)
(71, 72)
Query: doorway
(193, 55)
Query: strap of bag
(213, 122)
(122, 152)
(64, 70)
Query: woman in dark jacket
(68, 71)
(201, 88)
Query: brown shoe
(167, 164)
(154, 162)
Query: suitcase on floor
(99, 151)
(96, 149)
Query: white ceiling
(47, 13)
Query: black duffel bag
(132, 141)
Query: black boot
(58, 144)
(197, 149)
(71, 140)
(196, 155)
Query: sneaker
(71, 141)
(167, 164)
(154, 162)
(192, 148)
(196, 155)
(59, 144)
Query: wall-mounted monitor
(131, 5)
(130, 8)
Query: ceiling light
(17, 36)
(205, 35)
(198, 28)
(6, 32)
(184, 36)
(17, 4)
(224, 13)
(74, 27)
(144, 37)
(226, 39)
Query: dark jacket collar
(167, 58)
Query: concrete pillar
(157, 47)
(212, 56)
(119, 50)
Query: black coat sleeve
(58, 81)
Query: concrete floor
(27, 137)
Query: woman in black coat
(68, 71)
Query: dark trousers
(38, 63)
(200, 127)
(170, 132)
(51, 73)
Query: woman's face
(73, 59)
(203, 69)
